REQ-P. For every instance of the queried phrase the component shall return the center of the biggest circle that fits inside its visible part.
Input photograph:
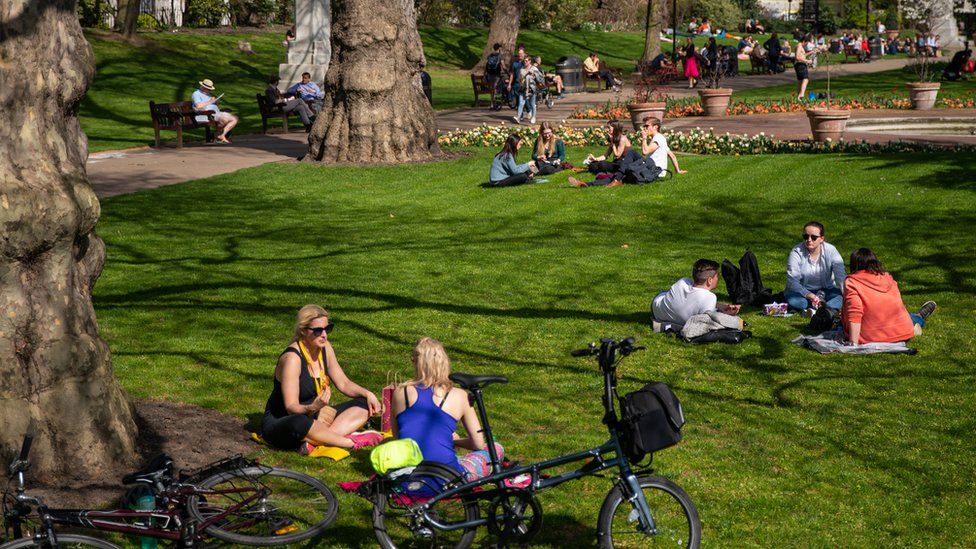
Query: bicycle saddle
(162, 462)
(470, 381)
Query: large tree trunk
(128, 17)
(503, 30)
(55, 371)
(652, 31)
(374, 109)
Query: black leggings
(288, 432)
(511, 181)
(548, 168)
(602, 166)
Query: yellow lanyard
(317, 379)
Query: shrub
(147, 22)
(205, 13)
(253, 12)
(724, 14)
(94, 13)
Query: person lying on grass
(428, 408)
(873, 311)
(505, 172)
(691, 296)
(297, 414)
(618, 146)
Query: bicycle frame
(597, 463)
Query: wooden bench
(595, 77)
(180, 116)
(270, 110)
(480, 87)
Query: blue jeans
(530, 102)
(833, 297)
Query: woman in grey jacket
(505, 172)
(814, 273)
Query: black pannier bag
(650, 420)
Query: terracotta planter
(923, 94)
(892, 34)
(715, 101)
(638, 111)
(828, 123)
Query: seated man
(308, 91)
(288, 104)
(203, 100)
(592, 65)
(655, 145)
(691, 296)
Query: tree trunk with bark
(55, 371)
(128, 17)
(374, 109)
(652, 31)
(503, 30)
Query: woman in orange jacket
(873, 311)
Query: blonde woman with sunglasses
(298, 414)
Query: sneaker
(809, 312)
(616, 183)
(927, 309)
(532, 120)
(616, 88)
(617, 82)
(517, 120)
(578, 183)
(365, 439)
(306, 448)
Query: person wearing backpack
(493, 74)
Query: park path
(118, 172)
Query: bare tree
(374, 109)
(55, 370)
(503, 30)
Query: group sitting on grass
(622, 164)
(867, 302)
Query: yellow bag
(395, 454)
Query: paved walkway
(120, 172)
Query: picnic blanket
(832, 341)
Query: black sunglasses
(317, 331)
(811, 237)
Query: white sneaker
(617, 82)
(809, 312)
(517, 120)
(532, 120)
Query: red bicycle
(236, 500)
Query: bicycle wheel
(675, 517)
(397, 526)
(282, 506)
(65, 541)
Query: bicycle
(236, 500)
(433, 505)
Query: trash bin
(425, 84)
(875, 43)
(570, 68)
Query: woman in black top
(298, 414)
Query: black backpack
(744, 283)
(494, 64)
(650, 420)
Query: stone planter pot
(715, 101)
(828, 123)
(892, 34)
(639, 111)
(923, 94)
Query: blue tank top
(431, 427)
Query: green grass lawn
(880, 84)
(783, 447)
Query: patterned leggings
(477, 464)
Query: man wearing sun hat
(203, 100)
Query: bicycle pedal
(284, 526)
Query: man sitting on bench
(592, 66)
(288, 103)
(203, 100)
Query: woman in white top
(814, 273)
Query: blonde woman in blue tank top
(428, 409)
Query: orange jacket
(875, 302)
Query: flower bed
(691, 106)
(696, 141)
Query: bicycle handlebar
(624, 347)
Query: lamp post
(789, 10)
(674, 31)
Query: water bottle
(147, 503)
(822, 297)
